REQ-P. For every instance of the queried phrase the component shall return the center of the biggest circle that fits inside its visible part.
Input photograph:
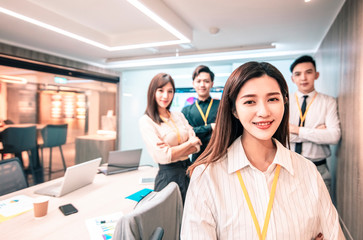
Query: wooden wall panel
(340, 56)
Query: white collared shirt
(315, 141)
(216, 208)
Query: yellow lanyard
(205, 117)
(175, 128)
(269, 207)
(307, 108)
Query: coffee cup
(40, 205)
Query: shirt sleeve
(198, 220)
(330, 135)
(328, 216)
(190, 129)
(150, 136)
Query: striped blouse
(216, 208)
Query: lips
(263, 125)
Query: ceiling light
(168, 27)
(12, 79)
(159, 20)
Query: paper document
(15, 206)
(102, 227)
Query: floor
(57, 165)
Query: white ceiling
(247, 29)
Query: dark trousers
(173, 172)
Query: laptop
(76, 176)
(121, 161)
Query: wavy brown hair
(158, 81)
(228, 128)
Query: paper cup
(40, 206)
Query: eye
(273, 99)
(248, 102)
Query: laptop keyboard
(51, 190)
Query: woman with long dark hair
(168, 136)
(247, 184)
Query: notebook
(121, 161)
(76, 176)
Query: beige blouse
(152, 133)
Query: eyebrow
(254, 95)
(309, 69)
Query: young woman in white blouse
(168, 136)
(247, 184)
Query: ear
(235, 114)
(212, 84)
(193, 84)
(317, 74)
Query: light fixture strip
(182, 38)
(13, 79)
(159, 20)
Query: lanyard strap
(269, 207)
(307, 108)
(205, 117)
(174, 127)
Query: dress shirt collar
(310, 94)
(237, 158)
(205, 101)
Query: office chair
(19, 139)
(157, 234)
(54, 136)
(8, 122)
(12, 177)
(162, 209)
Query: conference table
(106, 195)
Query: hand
(162, 144)
(213, 125)
(294, 129)
(322, 126)
(319, 237)
(195, 141)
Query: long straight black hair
(228, 128)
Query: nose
(303, 76)
(263, 110)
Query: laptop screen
(120, 161)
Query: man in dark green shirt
(201, 115)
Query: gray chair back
(12, 177)
(162, 209)
(54, 135)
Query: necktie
(298, 146)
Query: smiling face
(202, 85)
(260, 108)
(164, 96)
(304, 76)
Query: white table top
(106, 195)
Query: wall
(341, 56)
(133, 91)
